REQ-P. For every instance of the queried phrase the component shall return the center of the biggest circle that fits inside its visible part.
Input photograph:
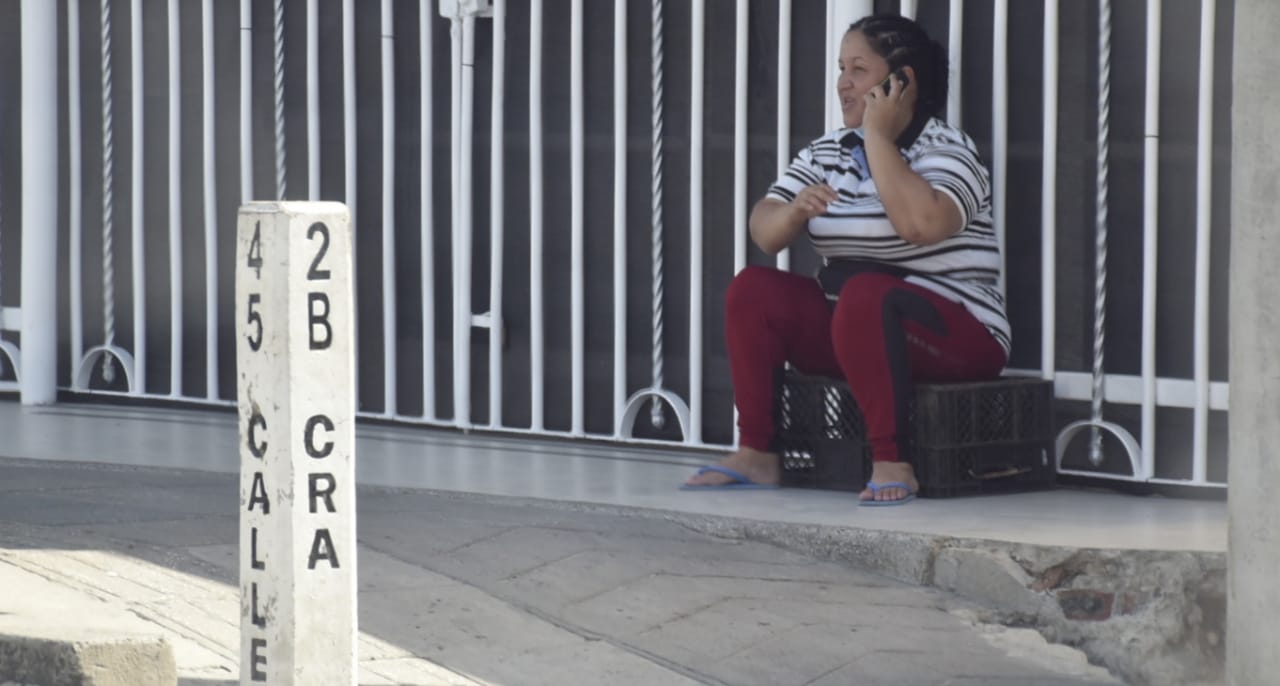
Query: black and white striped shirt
(964, 267)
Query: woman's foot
(889, 472)
(757, 465)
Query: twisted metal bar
(1100, 248)
(279, 93)
(108, 200)
(656, 416)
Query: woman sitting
(898, 203)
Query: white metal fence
(99, 363)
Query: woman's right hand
(812, 201)
(775, 223)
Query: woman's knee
(861, 301)
(749, 288)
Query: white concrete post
(294, 351)
(1253, 554)
(39, 34)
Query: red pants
(882, 335)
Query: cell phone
(902, 76)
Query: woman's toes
(707, 479)
(892, 494)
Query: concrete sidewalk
(461, 589)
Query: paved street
(459, 589)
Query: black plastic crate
(973, 470)
(966, 439)
(825, 463)
(821, 437)
(1002, 411)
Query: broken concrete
(988, 577)
(1151, 617)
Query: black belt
(833, 275)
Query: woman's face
(861, 69)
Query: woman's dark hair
(902, 43)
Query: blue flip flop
(740, 481)
(875, 488)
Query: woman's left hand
(888, 115)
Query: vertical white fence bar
(349, 110)
(576, 181)
(909, 9)
(39, 258)
(1049, 195)
(831, 48)
(1150, 237)
(246, 105)
(349, 143)
(1000, 123)
(740, 200)
(741, 231)
(388, 211)
(426, 85)
(955, 43)
(784, 105)
(137, 183)
(537, 356)
(75, 183)
(175, 202)
(698, 62)
(210, 205)
(313, 99)
(619, 210)
(497, 201)
(465, 60)
(1204, 208)
(455, 190)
